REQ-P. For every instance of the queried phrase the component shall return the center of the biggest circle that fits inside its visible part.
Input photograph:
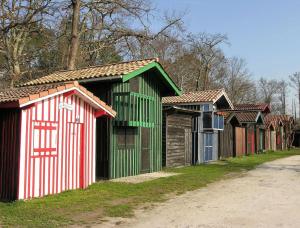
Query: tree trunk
(74, 35)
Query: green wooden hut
(131, 143)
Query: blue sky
(266, 33)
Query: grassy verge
(119, 199)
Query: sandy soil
(143, 177)
(268, 196)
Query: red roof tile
(263, 107)
(197, 97)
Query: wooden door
(75, 159)
(145, 145)
(240, 144)
(188, 146)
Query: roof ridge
(208, 90)
(107, 64)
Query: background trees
(41, 36)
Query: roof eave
(149, 66)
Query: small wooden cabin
(177, 136)
(251, 121)
(282, 131)
(207, 124)
(131, 143)
(264, 109)
(47, 142)
(240, 133)
(227, 137)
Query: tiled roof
(247, 117)
(111, 70)
(197, 97)
(28, 94)
(277, 119)
(251, 107)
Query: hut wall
(240, 141)
(251, 139)
(9, 153)
(273, 140)
(141, 119)
(226, 141)
(57, 146)
(178, 140)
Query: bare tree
(295, 83)
(268, 90)
(109, 23)
(236, 79)
(206, 48)
(283, 90)
(19, 19)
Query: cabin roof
(279, 119)
(23, 96)
(123, 71)
(249, 117)
(262, 107)
(205, 96)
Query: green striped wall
(127, 162)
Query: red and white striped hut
(47, 139)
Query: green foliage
(108, 198)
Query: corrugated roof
(29, 94)
(110, 70)
(197, 97)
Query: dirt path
(268, 196)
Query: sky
(266, 33)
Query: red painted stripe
(54, 159)
(93, 147)
(26, 152)
(48, 128)
(66, 147)
(58, 137)
(88, 126)
(62, 149)
(38, 150)
(31, 172)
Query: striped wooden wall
(57, 147)
(9, 153)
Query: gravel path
(268, 196)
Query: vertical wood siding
(9, 153)
(250, 140)
(127, 162)
(240, 141)
(226, 141)
(178, 140)
(57, 147)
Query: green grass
(119, 199)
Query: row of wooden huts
(57, 135)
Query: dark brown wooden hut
(177, 136)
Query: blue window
(221, 122)
(208, 146)
(216, 121)
(207, 120)
(206, 107)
